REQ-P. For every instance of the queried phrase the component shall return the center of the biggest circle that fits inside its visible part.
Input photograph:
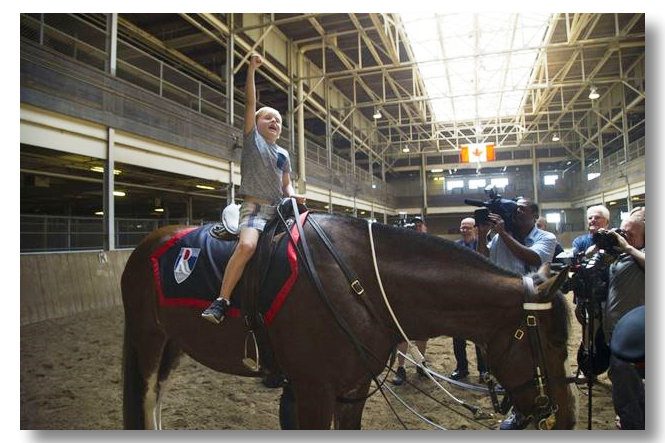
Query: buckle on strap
(530, 320)
(519, 334)
(357, 287)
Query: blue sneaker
(515, 421)
(216, 311)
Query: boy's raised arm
(250, 93)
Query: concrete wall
(61, 284)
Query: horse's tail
(133, 386)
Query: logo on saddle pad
(184, 264)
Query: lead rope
(419, 357)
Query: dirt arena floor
(71, 379)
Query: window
(591, 175)
(477, 183)
(553, 217)
(501, 182)
(550, 179)
(454, 184)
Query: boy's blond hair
(265, 110)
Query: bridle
(544, 410)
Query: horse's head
(531, 366)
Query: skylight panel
(483, 62)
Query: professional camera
(590, 276)
(606, 241)
(590, 285)
(501, 206)
(408, 223)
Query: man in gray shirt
(626, 290)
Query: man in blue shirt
(598, 217)
(522, 251)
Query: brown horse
(434, 288)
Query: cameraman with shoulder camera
(522, 251)
(626, 290)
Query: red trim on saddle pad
(285, 290)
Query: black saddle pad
(188, 271)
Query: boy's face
(269, 125)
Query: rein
(545, 412)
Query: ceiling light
(377, 114)
(101, 169)
(119, 193)
(437, 170)
(405, 148)
(555, 138)
(210, 188)
(99, 213)
(159, 209)
(373, 186)
(593, 95)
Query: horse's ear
(548, 288)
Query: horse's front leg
(349, 414)
(315, 404)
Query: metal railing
(142, 69)
(51, 233)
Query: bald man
(469, 240)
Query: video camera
(408, 223)
(591, 274)
(501, 206)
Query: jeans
(627, 393)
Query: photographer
(522, 251)
(626, 291)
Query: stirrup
(250, 363)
